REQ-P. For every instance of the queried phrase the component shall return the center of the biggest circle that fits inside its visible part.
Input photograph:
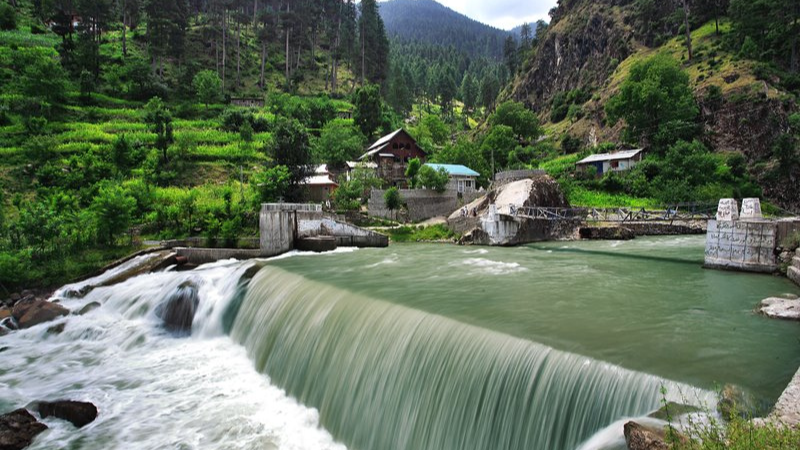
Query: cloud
(504, 14)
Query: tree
(368, 109)
(392, 199)
(374, 44)
(270, 185)
(490, 89)
(654, 100)
(500, 141)
(338, 143)
(112, 207)
(433, 179)
(8, 17)
(208, 86)
(469, 92)
(412, 170)
(159, 118)
(510, 56)
(122, 154)
(291, 149)
(522, 120)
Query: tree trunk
(224, 46)
(124, 28)
(263, 62)
(238, 53)
(688, 30)
(255, 13)
(288, 56)
(335, 63)
(363, 54)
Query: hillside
(429, 22)
(590, 47)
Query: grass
(579, 196)
(434, 233)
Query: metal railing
(679, 212)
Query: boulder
(9, 323)
(57, 329)
(641, 437)
(79, 414)
(29, 313)
(18, 428)
(178, 310)
(735, 401)
(4, 312)
(672, 410)
(88, 308)
(780, 308)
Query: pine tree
(374, 44)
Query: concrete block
(712, 226)
(751, 209)
(728, 210)
(767, 255)
(794, 274)
(752, 254)
(724, 225)
(737, 253)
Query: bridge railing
(679, 212)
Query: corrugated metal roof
(319, 180)
(384, 140)
(627, 154)
(373, 151)
(455, 170)
(364, 164)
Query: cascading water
(389, 377)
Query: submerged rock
(18, 428)
(4, 313)
(672, 410)
(735, 401)
(780, 308)
(607, 233)
(88, 308)
(178, 310)
(79, 414)
(33, 312)
(57, 329)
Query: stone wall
(741, 245)
(793, 272)
(421, 204)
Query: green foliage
(367, 115)
(412, 170)
(8, 17)
(498, 144)
(338, 143)
(660, 81)
(291, 149)
(208, 86)
(113, 207)
(466, 153)
(433, 179)
(392, 198)
(568, 105)
(570, 144)
(521, 120)
(270, 185)
(434, 233)
(159, 118)
(374, 44)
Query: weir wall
(421, 204)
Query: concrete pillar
(751, 209)
(727, 210)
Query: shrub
(8, 17)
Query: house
(68, 20)
(462, 178)
(369, 168)
(391, 154)
(612, 162)
(248, 102)
(320, 186)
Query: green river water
(646, 304)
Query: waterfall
(385, 376)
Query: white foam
(488, 266)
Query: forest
(119, 124)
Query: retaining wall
(421, 204)
(741, 245)
(793, 272)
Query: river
(410, 347)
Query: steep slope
(591, 46)
(430, 22)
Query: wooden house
(612, 162)
(391, 154)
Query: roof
(364, 164)
(321, 169)
(456, 170)
(384, 140)
(627, 154)
(319, 180)
(373, 151)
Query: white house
(612, 162)
(462, 178)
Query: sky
(503, 14)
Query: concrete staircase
(794, 270)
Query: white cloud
(505, 14)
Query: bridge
(678, 212)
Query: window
(615, 164)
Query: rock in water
(178, 310)
(780, 308)
(77, 413)
(88, 308)
(33, 312)
(18, 428)
(640, 437)
(736, 401)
